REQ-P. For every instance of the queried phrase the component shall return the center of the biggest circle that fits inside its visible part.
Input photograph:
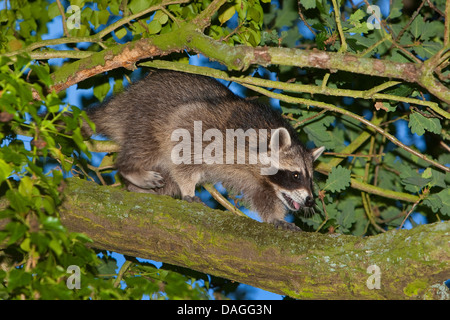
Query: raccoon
(157, 120)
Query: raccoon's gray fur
(142, 119)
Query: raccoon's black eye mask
(290, 180)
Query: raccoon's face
(293, 182)
(294, 189)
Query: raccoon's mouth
(293, 205)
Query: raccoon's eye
(296, 175)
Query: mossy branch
(413, 263)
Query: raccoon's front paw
(281, 224)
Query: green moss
(302, 265)
(415, 288)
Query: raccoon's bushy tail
(107, 120)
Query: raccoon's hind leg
(137, 165)
(144, 179)
(169, 188)
(187, 181)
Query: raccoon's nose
(309, 201)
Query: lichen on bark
(301, 265)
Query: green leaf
(16, 231)
(103, 17)
(255, 14)
(396, 9)
(308, 4)
(154, 27)
(393, 215)
(55, 245)
(417, 26)
(5, 170)
(227, 13)
(161, 17)
(53, 10)
(53, 224)
(427, 173)
(410, 178)
(417, 182)
(101, 90)
(418, 124)
(427, 49)
(432, 29)
(18, 279)
(26, 187)
(17, 201)
(25, 245)
(139, 5)
(358, 22)
(43, 73)
(107, 266)
(287, 15)
(347, 214)
(319, 135)
(444, 196)
(316, 129)
(338, 180)
(357, 16)
(434, 202)
(121, 33)
(436, 178)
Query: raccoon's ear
(280, 139)
(317, 152)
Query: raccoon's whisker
(308, 212)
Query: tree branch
(413, 263)
(241, 57)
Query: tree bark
(408, 263)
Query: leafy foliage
(36, 250)
(34, 237)
(338, 180)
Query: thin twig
(337, 15)
(302, 122)
(125, 266)
(369, 213)
(409, 213)
(356, 155)
(415, 14)
(204, 18)
(366, 196)
(63, 15)
(435, 9)
(300, 13)
(222, 200)
(445, 146)
(321, 197)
